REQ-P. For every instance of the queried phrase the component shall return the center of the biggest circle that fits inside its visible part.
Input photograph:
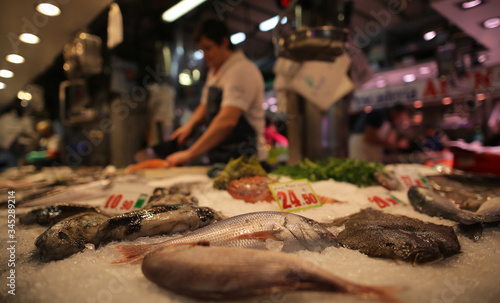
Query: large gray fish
(52, 214)
(157, 220)
(69, 236)
(224, 273)
(378, 234)
(429, 202)
(261, 230)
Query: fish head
(309, 233)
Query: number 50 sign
(294, 195)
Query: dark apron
(241, 141)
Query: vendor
(49, 145)
(231, 103)
(377, 131)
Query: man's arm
(197, 119)
(371, 136)
(220, 127)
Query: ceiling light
(5, 73)
(13, 58)
(271, 23)
(48, 9)
(22, 95)
(196, 75)
(2, 85)
(185, 78)
(418, 104)
(238, 38)
(29, 38)
(491, 23)
(180, 9)
(429, 35)
(424, 70)
(482, 58)
(447, 100)
(198, 55)
(470, 4)
(409, 78)
(380, 83)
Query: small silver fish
(224, 273)
(168, 219)
(69, 236)
(261, 230)
(429, 202)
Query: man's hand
(179, 158)
(182, 134)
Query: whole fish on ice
(224, 273)
(69, 236)
(156, 220)
(261, 230)
(429, 202)
(379, 234)
(52, 214)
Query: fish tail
(134, 253)
(381, 293)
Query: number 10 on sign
(294, 195)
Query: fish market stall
(90, 275)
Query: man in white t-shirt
(231, 103)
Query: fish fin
(260, 235)
(381, 293)
(133, 253)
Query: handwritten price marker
(294, 195)
(410, 177)
(387, 201)
(127, 197)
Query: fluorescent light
(409, 78)
(424, 70)
(198, 55)
(5, 73)
(13, 58)
(491, 23)
(429, 35)
(2, 85)
(29, 38)
(470, 4)
(22, 95)
(185, 78)
(181, 8)
(238, 38)
(380, 83)
(271, 23)
(196, 75)
(48, 9)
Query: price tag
(127, 197)
(386, 201)
(410, 177)
(294, 195)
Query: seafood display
(379, 234)
(69, 236)
(262, 230)
(243, 166)
(178, 194)
(52, 214)
(169, 219)
(429, 202)
(200, 272)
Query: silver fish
(429, 202)
(261, 230)
(224, 273)
(157, 220)
(69, 236)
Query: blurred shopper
(231, 103)
(377, 131)
(49, 145)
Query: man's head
(399, 116)
(212, 37)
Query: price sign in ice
(127, 197)
(294, 195)
(410, 177)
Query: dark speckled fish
(168, 219)
(52, 214)
(379, 234)
(69, 236)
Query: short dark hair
(214, 30)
